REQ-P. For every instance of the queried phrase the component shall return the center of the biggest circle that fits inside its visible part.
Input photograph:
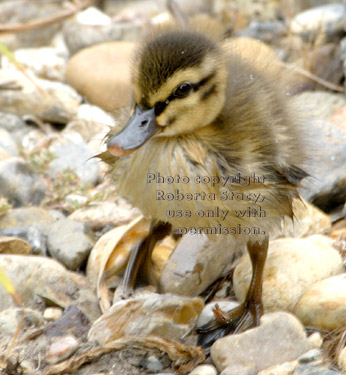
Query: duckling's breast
(168, 181)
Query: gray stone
(11, 122)
(54, 102)
(44, 62)
(26, 217)
(69, 243)
(19, 183)
(343, 52)
(265, 31)
(151, 363)
(100, 214)
(38, 278)
(78, 36)
(286, 368)
(323, 22)
(32, 234)
(7, 143)
(11, 318)
(310, 356)
(75, 157)
(24, 12)
(315, 370)
(279, 338)
(326, 186)
(188, 273)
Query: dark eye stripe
(208, 92)
(161, 106)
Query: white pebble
(52, 313)
(61, 349)
(204, 370)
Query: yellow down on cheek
(179, 109)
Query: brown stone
(102, 73)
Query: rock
(10, 122)
(72, 322)
(324, 304)
(343, 53)
(76, 200)
(316, 340)
(13, 245)
(91, 121)
(279, 338)
(69, 243)
(44, 62)
(204, 370)
(286, 368)
(308, 220)
(19, 183)
(31, 235)
(311, 369)
(61, 349)
(322, 23)
(33, 141)
(267, 32)
(292, 266)
(189, 273)
(52, 313)
(27, 217)
(91, 27)
(151, 363)
(25, 12)
(207, 313)
(11, 318)
(102, 73)
(75, 156)
(45, 279)
(162, 315)
(100, 214)
(325, 187)
(252, 9)
(143, 11)
(93, 16)
(310, 356)
(7, 143)
(55, 101)
(342, 360)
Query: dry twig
(38, 24)
(312, 76)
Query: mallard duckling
(207, 108)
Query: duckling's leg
(247, 314)
(141, 255)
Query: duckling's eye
(183, 90)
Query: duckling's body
(250, 130)
(217, 109)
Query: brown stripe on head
(163, 56)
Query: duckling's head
(179, 80)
